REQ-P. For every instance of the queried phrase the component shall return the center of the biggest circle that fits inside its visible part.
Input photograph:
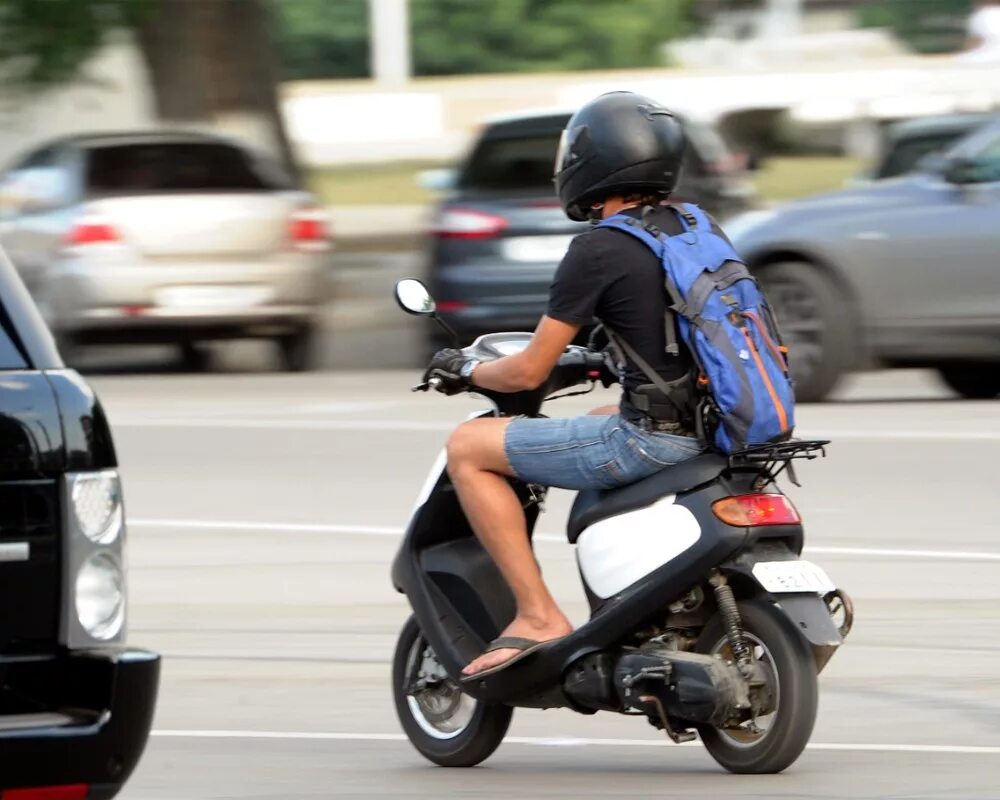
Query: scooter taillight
(751, 510)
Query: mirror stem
(455, 342)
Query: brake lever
(420, 387)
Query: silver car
(165, 237)
(903, 272)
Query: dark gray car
(903, 272)
(497, 238)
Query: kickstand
(678, 737)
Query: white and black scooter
(703, 616)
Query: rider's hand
(446, 365)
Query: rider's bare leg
(477, 465)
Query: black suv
(75, 704)
(498, 236)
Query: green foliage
(928, 26)
(46, 41)
(323, 39)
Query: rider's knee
(461, 446)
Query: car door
(936, 255)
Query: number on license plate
(780, 577)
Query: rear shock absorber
(731, 621)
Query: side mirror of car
(962, 171)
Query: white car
(166, 237)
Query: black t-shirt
(611, 275)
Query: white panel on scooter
(616, 552)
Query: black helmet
(619, 143)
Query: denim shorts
(592, 452)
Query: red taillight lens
(309, 229)
(451, 305)
(92, 230)
(750, 510)
(464, 223)
(76, 791)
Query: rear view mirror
(414, 298)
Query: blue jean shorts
(592, 452)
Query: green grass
(391, 183)
(781, 178)
(787, 177)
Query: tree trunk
(212, 61)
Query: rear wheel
(296, 350)
(973, 381)
(816, 322)
(443, 723)
(194, 357)
(776, 736)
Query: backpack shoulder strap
(654, 377)
(623, 222)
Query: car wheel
(194, 358)
(816, 323)
(297, 349)
(973, 381)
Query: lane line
(395, 425)
(556, 741)
(379, 530)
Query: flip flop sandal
(526, 646)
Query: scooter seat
(592, 505)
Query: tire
(972, 381)
(790, 726)
(472, 741)
(816, 322)
(296, 350)
(194, 358)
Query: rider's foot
(540, 630)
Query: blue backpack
(728, 326)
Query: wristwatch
(467, 369)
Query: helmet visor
(568, 153)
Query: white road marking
(396, 425)
(378, 530)
(552, 741)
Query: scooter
(704, 618)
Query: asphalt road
(264, 510)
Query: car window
(907, 153)
(521, 164)
(164, 167)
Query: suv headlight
(100, 596)
(97, 505)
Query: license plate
(212, 297)
(536, 248)
(780, 577)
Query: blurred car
(499, 234)
(904, 272)
(165, 237)
(905, 144)
(76, 703)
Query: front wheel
(443, 723)
(777, 735)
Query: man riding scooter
(621, 154)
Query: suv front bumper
(76, 718)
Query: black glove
(446, 365)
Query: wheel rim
(437, 704)
(801, 324)
(755, 730)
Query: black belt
(664, 426)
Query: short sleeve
(578, 284)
